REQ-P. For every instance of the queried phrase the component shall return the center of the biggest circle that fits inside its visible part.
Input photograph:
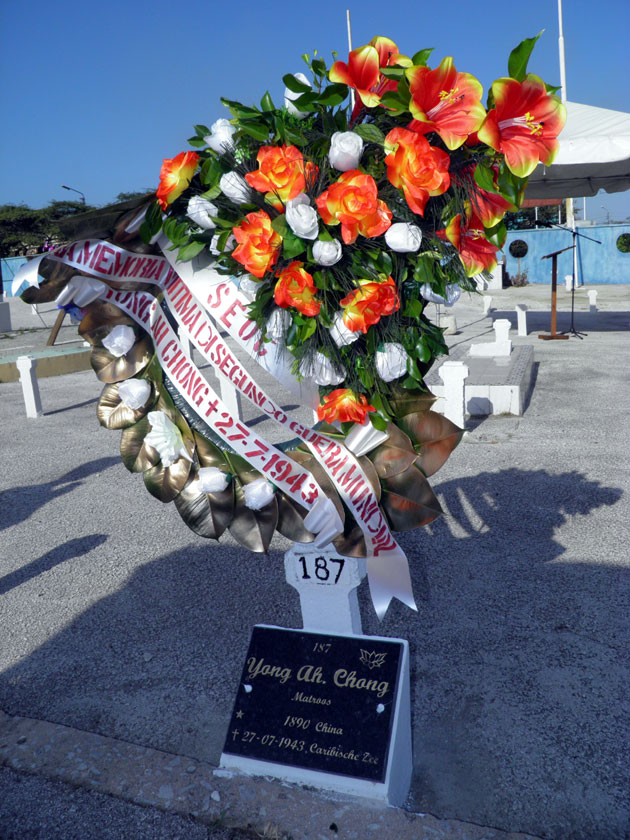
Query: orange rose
(418, 168)
(175, 176)
(353, 201)
(282, 174)
(258, 243)
(344, 405)
(295, 288)
(367, 304)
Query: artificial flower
(327, 253)
(452, 295)
(404, 238)
(416, 167)
(175, 176)
(258, 243)
(320, 369)
(490, 207)
(214, 244)
(524, 124)
(212, 480)
(346, 148)
(166, 438)
(278, 324)
(366, 305)
(120, 340)
(258, 493)
(234, 187)
(200, 211)
(362, 72)
(282, 174)
(344, 405)
(467, 235)
(445, 101)
(295, 288)
(340, 334)
(353, 202)
(134, 393)
(290, 96)
(391, 361)
(249, 287)
(301, 217)
(221, 136)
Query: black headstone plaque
(317, 701)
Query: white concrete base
(501, 346)
(5, 316)
(494, 385)
(399, 764)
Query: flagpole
(349, 51)
(570, 220)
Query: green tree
(22, 226)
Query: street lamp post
(65, 187)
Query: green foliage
(519, 57)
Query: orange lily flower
(524, 124)
(475, 252)
(367, 304)
(344, 405)
(282, 174)
(259, 243)
(295, 287)
(362, 72)
(175, 176)
(353, 201)
(421, 170)
(445, 101)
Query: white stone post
(592, 300)
(5, 315)
(521, 318)
(450, 325)
(30, 389)
(502, 341)
(568, 281)
(453, 375)
(487, 305)
(327, 585)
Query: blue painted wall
(9, 267)
(597, 264)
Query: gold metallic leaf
(393, 456)
(165, 483)
(434, 435)
(207, 514)
(56, 277)
(209, 455)
(137, 455)
(114, 414)
(309, 463)
(352, 542)
(99, 318)
(253, 529)
(291, 520)
(409, 501)
(110, 368)
(372, 476)
(410, 402)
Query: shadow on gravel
(18, 503)
(66, 551)
(519, 669)
(71, 407)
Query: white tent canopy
(594, 155)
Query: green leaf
(239, 110)
(333, 95)
(484, 177)
(266, 103)
(318, 67)
(306, 100)
(391, 100)
(280, 225)
(552, 88)
(370, 133)
(201, 130)
(294, 84)
(413, 309)
(308, 329)
(197, 142)
(379, 422)
(257, 130)
(422, 56)
(191, 250)
(496, 234)
(519, 57)
(423, 352)
(393, 72)
(211, 172)
(292, 245)
(213, 192)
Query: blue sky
(96, 95)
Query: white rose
(391, 361)
(249, 287)
(453, 293)
(321, 370)
(290, 96)
(278, 324)
(134, 392)
(166, 438)
(339, 333)
(221, 137)
(212, 480)
(200, 211)
(301, 217)
(229, 244)
(346, 149)
(327, 253)
(120, 340)
(403, 238)
(235, 188)
(258, 493)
